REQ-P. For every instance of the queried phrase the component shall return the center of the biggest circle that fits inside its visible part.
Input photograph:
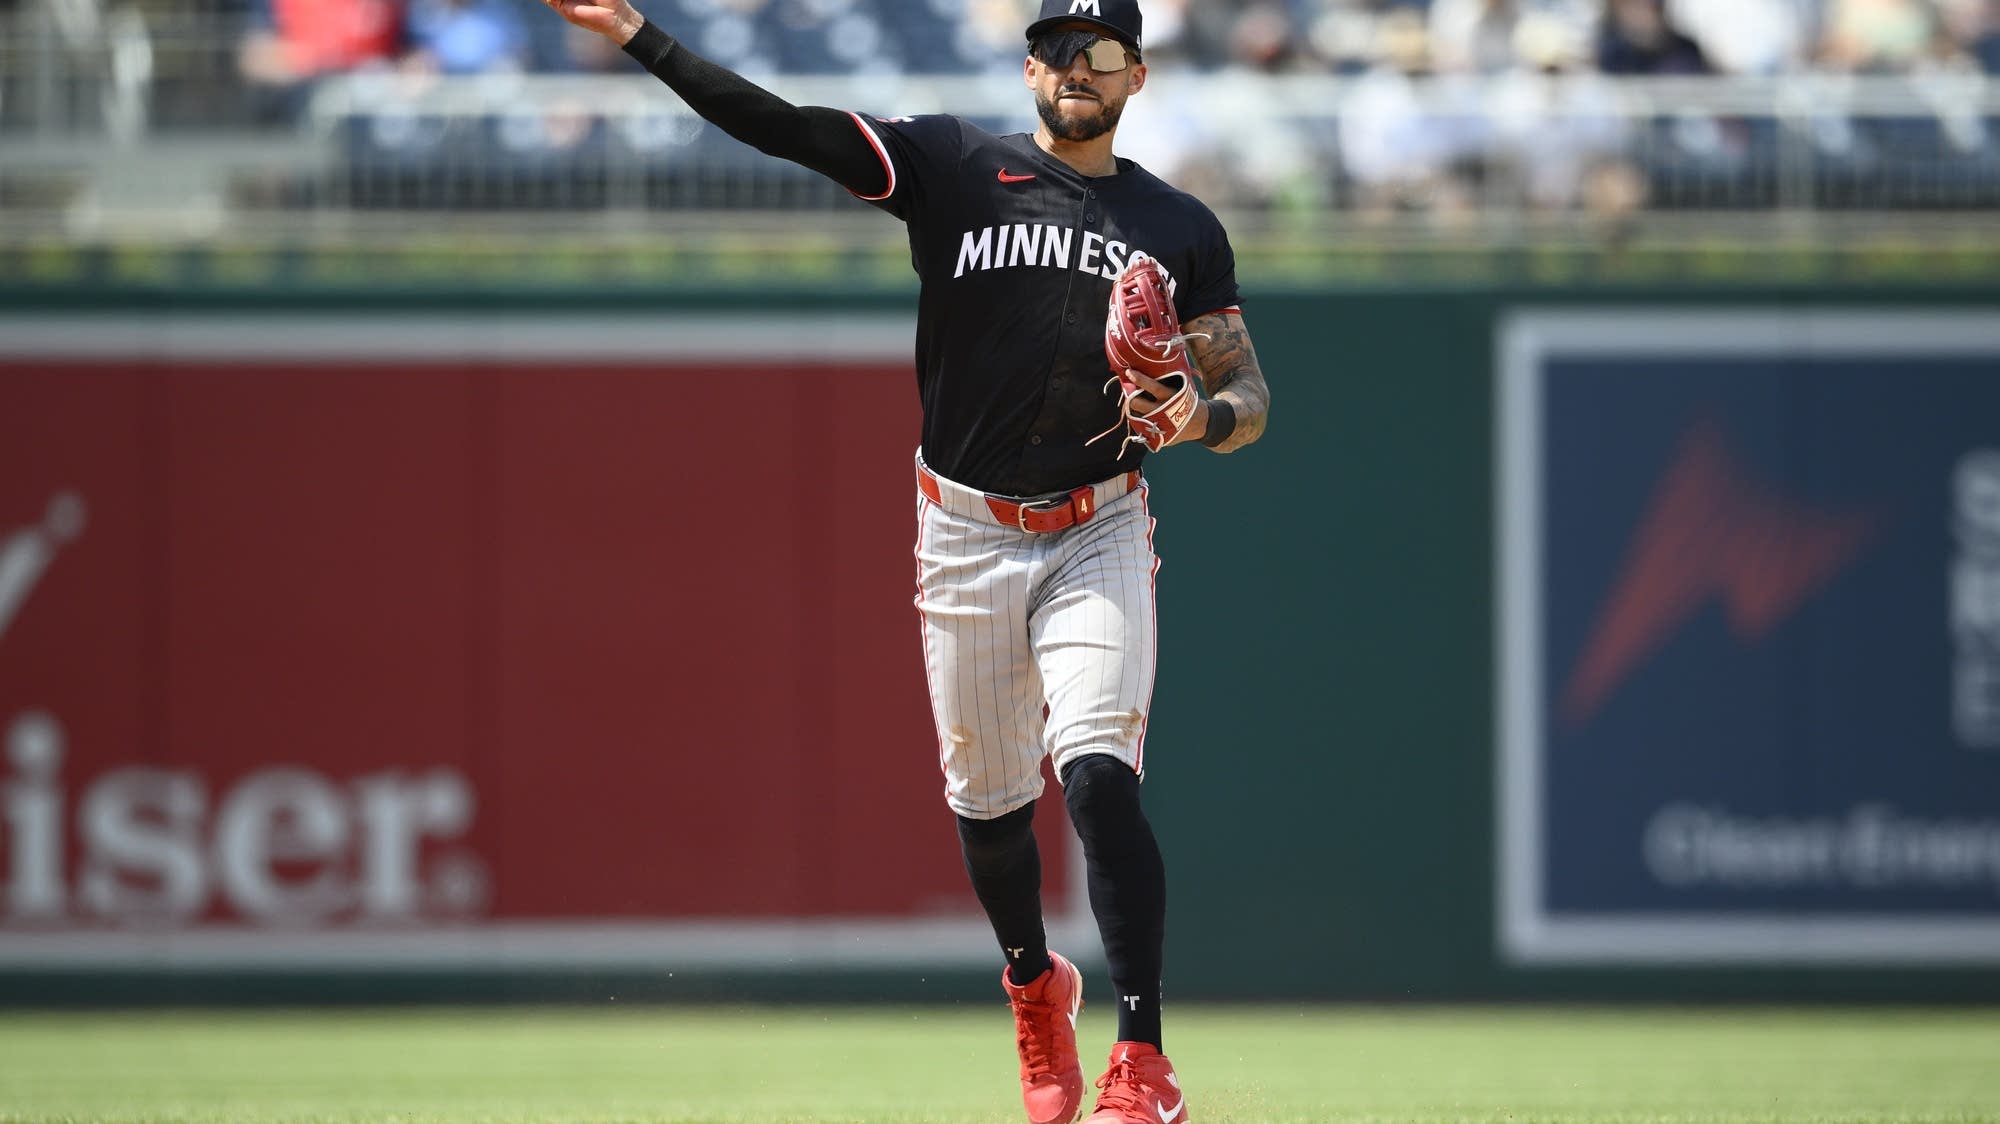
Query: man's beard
(1076, 128)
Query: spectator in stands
(467, 36)
(990, 34)
(1166, 28)
(1262, 158)
(1981, 35)
(1747, 36)
(292, 43)
(1404, 150)
(1262, 39)
(1636, 38)
(1557, 128)
(1342, 35)
(1877, 36)
(1473, 36)
(1484, 36)
(1205, 31)
(1973, 26)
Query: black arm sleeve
(826, 140)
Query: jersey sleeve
(1212, 288)
(920, 155)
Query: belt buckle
(1021, 512)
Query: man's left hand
(1161, 414)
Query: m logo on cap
(1085, 7)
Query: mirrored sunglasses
(1105, 56)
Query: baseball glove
(1142, 332)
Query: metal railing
(1456, 149)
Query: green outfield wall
(1330, 670)
(1323, 769)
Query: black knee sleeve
(1103, 798)
(997, 844)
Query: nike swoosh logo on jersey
(1167, 1114)
(1005, 178)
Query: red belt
(1037, 517)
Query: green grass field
(1266, 1064)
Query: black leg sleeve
(1128, 886)
(1006, 870)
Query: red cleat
(1139, 1088)
(1045, 1034)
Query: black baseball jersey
(1016, 252)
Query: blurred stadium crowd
(280, 44)
(1379, 107)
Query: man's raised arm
(828, 141)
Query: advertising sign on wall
(461, 642)
(1749, 636)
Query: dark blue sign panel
(1750, 637)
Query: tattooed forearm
(1229, 369)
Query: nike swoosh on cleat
(1167, 1114)
(1005, 178)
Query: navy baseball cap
(1119, 18)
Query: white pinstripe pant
(1014, 622)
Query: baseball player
(1076, 313)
